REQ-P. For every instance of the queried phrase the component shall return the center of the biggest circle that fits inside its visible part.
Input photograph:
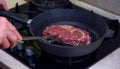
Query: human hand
(8, 34)
(3, 5)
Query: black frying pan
(88, 21)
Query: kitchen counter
(112, 61)
(8, 62)
(95, 9)
(11, 3)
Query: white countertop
(112, 61)
(8, 62)
(11, 3)
(97, 10)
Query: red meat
(68, 34)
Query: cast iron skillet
(88, 21)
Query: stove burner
(56, 62)
(43, 5)
(69, 60)
(48, 4)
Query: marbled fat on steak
(68, 34)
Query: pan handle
(13, 16)
(109, 33)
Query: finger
(12, 38)
(5, 44)
(15, 31)
(0, 43)
(4, 6)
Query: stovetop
(30, 54)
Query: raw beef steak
(68, 34)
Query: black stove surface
(32, 56)
(46, 62)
